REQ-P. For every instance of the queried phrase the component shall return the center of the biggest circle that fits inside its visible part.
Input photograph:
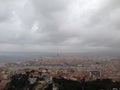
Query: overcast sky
(59, 25)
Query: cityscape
(41, 74)
(59, 44)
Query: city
(59, 44)
(40, 73)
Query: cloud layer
(59, 25)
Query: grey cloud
(4, 11)
(65, 25)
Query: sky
(59, 26)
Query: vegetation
(21, 82)
(105, 84)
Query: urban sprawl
(44, 70)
